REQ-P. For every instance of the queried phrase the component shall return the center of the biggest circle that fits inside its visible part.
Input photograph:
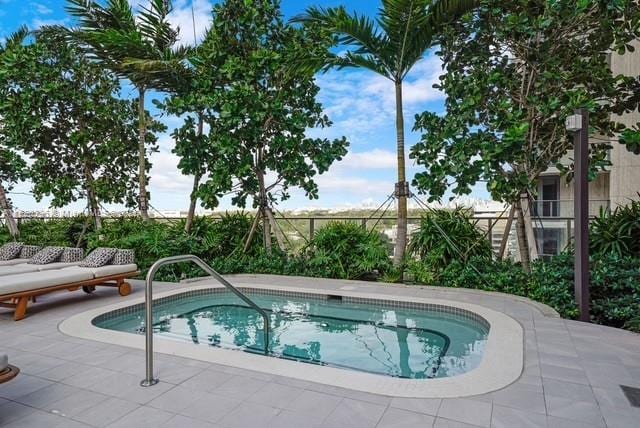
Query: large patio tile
(291, 419)
(176, 399)
(65, 371)
(249, 415)
(568, 408)
(34, 364)
(555, 422)
(564, 374)
(210, 407)
(207, 381)
(12, 411)
(40, 419)
(428, 406)
(275, 395)
(311, 402)
(448, 423)
(106, 412)
(47, 395)
(611, 397)
(506, 417)
(179, 421)
(239, 387)
(76, 403)
(520, 397)
(466, 410)
(621, 418)
(398, 418)
(574, 391)
(22, 385)
(143, 417)
(355, 414)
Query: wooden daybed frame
(19, 300)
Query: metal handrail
(148, 297)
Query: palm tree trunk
(7, 211)
(92, 199)
(401, 186)
(142, 158)
(196, 183)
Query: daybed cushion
(26, 267)
(13, 262)
(4, 361)
(36, 280)
(107, 270)
(10, 250)
(47, 255)
(18, 269)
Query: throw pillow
(72, 255)
(124, 257)
(10, 250)
(46, 255)
(99, 257)
(29, 251)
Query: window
(548, 204)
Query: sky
(360, 104)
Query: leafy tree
(12, 166)
(389, 46)
(257, 114)
(514, 72)
(140, 48)
(64, 112)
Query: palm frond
(355, 31)
(16, 38)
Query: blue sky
(359, 103)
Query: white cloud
(41, 9)
(183, 18)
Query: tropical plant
(448, 235)
(617, 232)
(12, 166)
(80, 136)
(389, 46)
(256, 147)
(347, 250)
(514, 71)
(140, 48)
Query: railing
(148, 297)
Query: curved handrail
(148, 297)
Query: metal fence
(553, 233)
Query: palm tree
(11, 164)
(390, 46)
(139, 48)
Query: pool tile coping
(501, 365)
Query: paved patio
(571, 377)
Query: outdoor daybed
(18, 289)
(7, 371)
(26, 268)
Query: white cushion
(107, 270)
(4, 361)
(26, 267)
(17, 269)
(36, 280)
(13, 262)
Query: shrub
(617, 232)
(65, 232)
(446, 236)
(346, 250)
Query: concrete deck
(572, 377)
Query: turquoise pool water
(379, 338)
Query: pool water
(383, 339)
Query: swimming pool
(399, 339)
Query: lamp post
(579, 125)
